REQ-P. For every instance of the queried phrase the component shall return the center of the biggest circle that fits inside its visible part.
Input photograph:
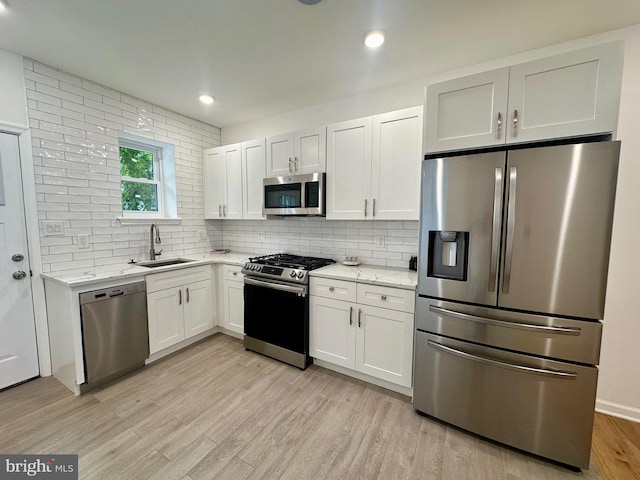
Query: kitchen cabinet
(297, 153)
(223, 182)
(179, 304)
(233, 298)
(253, 172)
(362, 327)
(572, 94)
(373, 167)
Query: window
(147, 178)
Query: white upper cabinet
(348, 169)
(395, 166)
(233, 181)
(253, 172)
(571, 94)
(373, 167)
(297, 153)
(467, 112)
(223, 182)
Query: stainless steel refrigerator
(514, 251)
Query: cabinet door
(253, 172)
(213, 182)
(280, 155)
(166, 321)
(384, 344)
(576, 93)
(309, 151)
(349, 170)
(332, 331)
(232, 206)
(467, 112)
(234, 306)
(198, 312)
(396, 161)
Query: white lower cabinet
(179, 304)
(233, 298)
(348, 329)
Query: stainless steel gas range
(276, 306)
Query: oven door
(276, 320)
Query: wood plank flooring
(216, 411)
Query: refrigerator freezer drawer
(540, 406)
(560, 338)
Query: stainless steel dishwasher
(115, 332)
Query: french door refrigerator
(514, 251)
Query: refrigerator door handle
(497, 363)
(495, 232)
(519, 325)
(511, 227)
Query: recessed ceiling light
(206, 98)
(374, 38)
(4, 5)
(309, 2)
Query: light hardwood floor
(215, 411)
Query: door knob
(17, 257)
(19, 275)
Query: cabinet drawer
(386, 297)
(177, 278)
(330, 288)
(232, 272)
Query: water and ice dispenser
(448, 255)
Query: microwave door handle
(511, 228)
(495, 231)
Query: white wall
(12, 95)
(619, 380)
(75, 125)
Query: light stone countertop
(390, 277)
(122, 272)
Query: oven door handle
(301, 290)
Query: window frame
(164, 168)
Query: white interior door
(18, 350)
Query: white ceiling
(263, 57)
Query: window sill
(149, 220)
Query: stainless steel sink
(164, 263)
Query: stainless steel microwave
(295, 195)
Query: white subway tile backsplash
(75, 126)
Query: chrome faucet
(152, 251)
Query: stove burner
(287, 260)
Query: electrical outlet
(262, 236)
(202, 235)
(380, 241)
(83, 241)
(53, 228)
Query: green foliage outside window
(138, 196)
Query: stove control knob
(293, 274)
(300, 274)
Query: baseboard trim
(618, 410)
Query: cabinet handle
(290, 164)
(224, 210)
(374, 207)
(295, 163)
(383, 297)
(359, 315)
(499, 125)
(234, 273)
(515, 123)
(365, 207)
(180, 297)
(350, 315)
(187, 294)
(331, 289)
(219, 210)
